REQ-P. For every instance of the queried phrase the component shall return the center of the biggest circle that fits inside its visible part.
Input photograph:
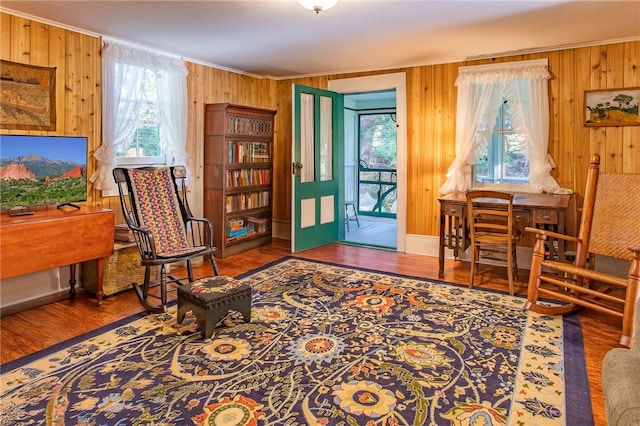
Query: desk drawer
(545, 217)
(452, 209)
(522, 218)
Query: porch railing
(384, 180)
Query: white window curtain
(123, 69)
(481, 90)
(307, 135)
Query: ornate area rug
(327, 345)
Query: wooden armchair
(610, 227)
(155, 207)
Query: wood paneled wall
(431, 111)
(78, 77)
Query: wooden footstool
(211, 298)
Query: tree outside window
(377, 139)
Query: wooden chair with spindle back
(155, 207)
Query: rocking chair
(609, 227)
(155, 207)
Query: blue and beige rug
(327, 345)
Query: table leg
(72, 280)
(561, 243)
(441, 247)
(99, 276)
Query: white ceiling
(281, 39)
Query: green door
(317, 163)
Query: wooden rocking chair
(155, 207)
(610, 227)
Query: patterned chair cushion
(153, 192)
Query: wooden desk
(542, 210)
(53, 237)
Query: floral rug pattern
(327, 345)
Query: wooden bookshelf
(238, 176)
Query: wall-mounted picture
(612, 107)
(27, 97)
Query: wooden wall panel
(431, 111)
(631, 137)
(431, 108)
(209, 85)
(78, 76)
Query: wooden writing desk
(546, 210)
(53, 237)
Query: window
(142, 144)
(502, 128)
(504, 160)
(144, 111)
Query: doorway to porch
(370, 169)
(393, 86)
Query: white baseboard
(429, 245)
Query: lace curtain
(481, 89)
(123, 69)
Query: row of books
(248, 177)
(249, 126)
(248, 152)
(246, 201)
(238, 229)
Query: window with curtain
(502, 129)
(144, 111)
(503, 161)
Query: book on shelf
(248, 152)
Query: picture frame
(27, 97)
(612, 107)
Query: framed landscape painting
(612, 107)
(27, 97)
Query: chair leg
(346, 216)
(163, 288)
(474, 264)
(189, 270)
(347, 219)
(214, 265)
(510, 267)
(515, 263)
(143, 292)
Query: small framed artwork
(612, 107)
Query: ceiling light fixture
(318, 5)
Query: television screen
(40, 170)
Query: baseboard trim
(34, 303)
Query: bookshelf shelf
(238, 176)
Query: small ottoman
(211, 298)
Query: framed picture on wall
(612, 107)
(27, 97)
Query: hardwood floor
(29, 331)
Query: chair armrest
(144, 241)
(198, 219)
(204, 233)
(540, 233)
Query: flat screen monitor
(42, 170)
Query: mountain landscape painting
(37, 170)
